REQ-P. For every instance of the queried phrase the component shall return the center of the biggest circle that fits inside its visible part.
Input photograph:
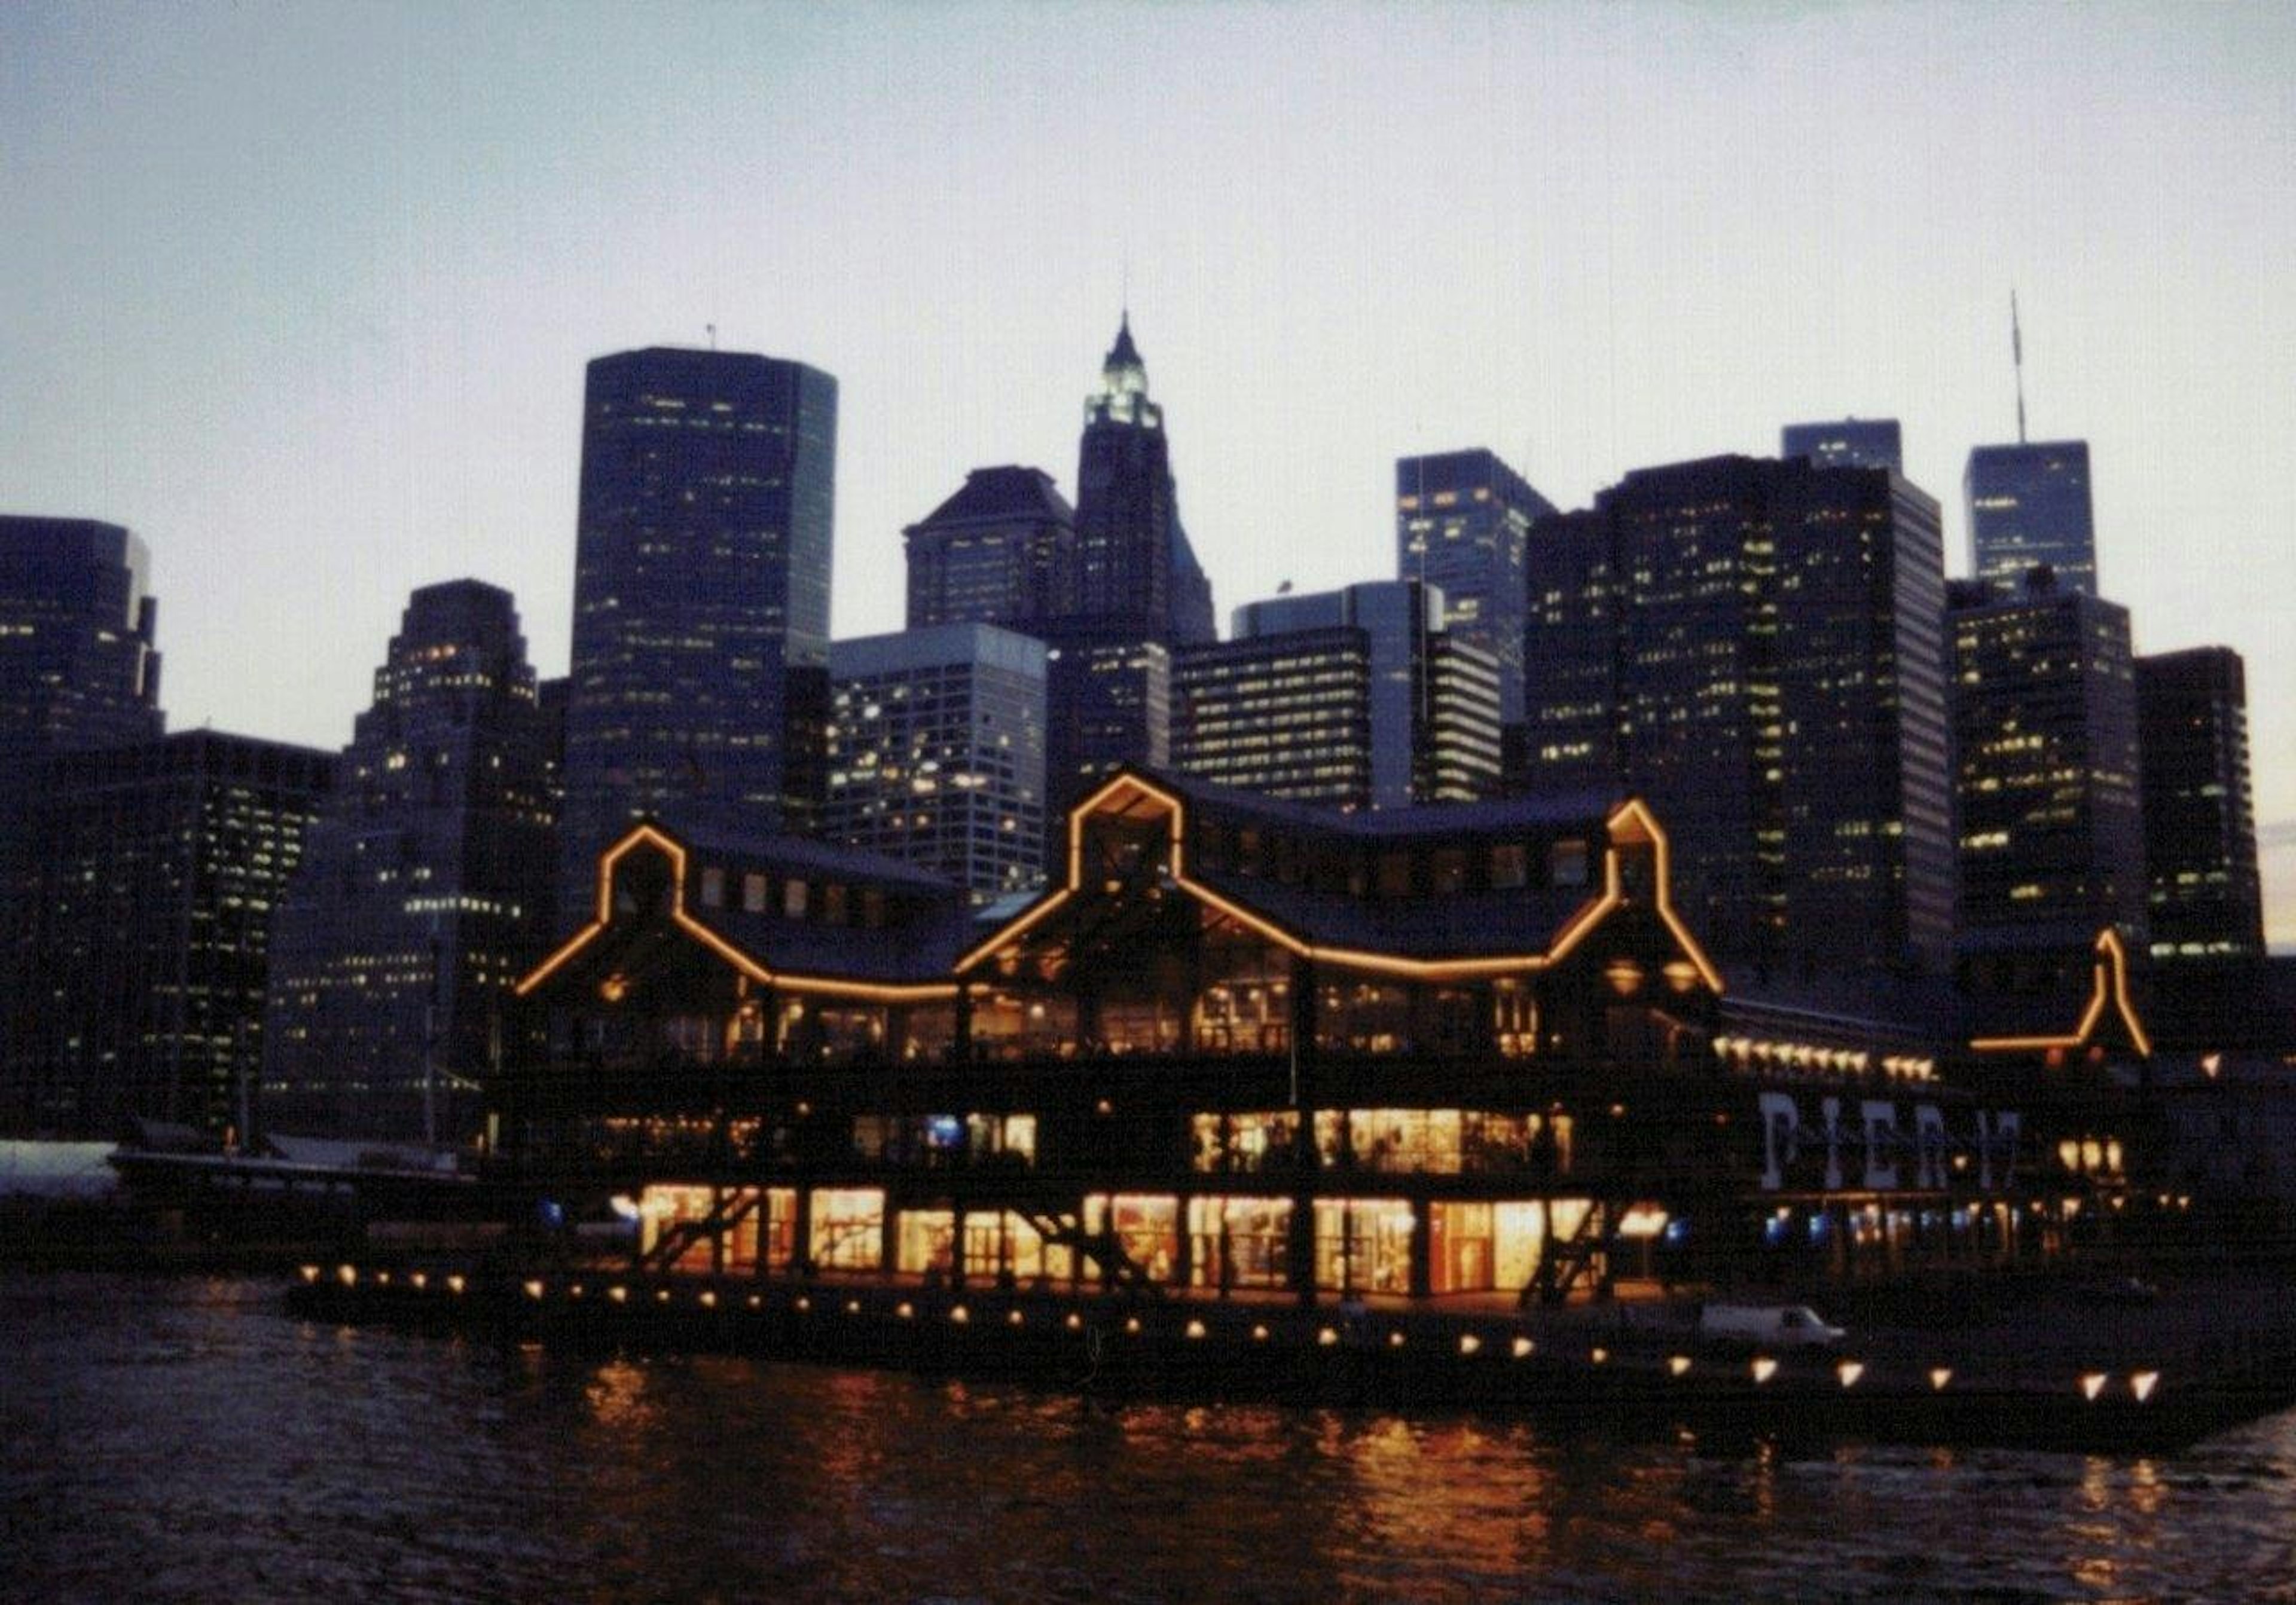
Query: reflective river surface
(188, 1440)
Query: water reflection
(185, 1440)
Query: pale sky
(303, 293)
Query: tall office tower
(426, 885)
(937, 753)
(1462, 524)
(1359, 697)
(157, 865)
(2047, 769)
(1137, 576)
(702, 582)
(1106, 703)
(2204, 898)
(1757, 648)
(1001, 550)
(2030, 505)
(1847, 443)
(78, 665)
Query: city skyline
(339, 340)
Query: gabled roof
(1433, 938)
(906, 960)
(1001, 495)
(2009, 1029)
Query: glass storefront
(1363, 1245)
(849, 1228)
(1146, 1226)
(1239, 1242)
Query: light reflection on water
(187, 1440)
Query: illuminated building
(1001, 550)
(1246, 1047)
(1359, 697)
(1136, 571)
(1756, 647)
(1845, 443)
(79, 666)
(2029, 504)
(937, 753)
(141, 983)
(1107, 702)
(2046, 754)
(1462, 523)
(700, 596)
(426, 885)
(2203, 898)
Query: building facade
(2203, 900)
(1462, 525)
(2027, 505)
(1245, 1050)
(700, 596)
(80, 662)
(1845, 443)
(1137, 576)
(1757, 648)
(937, 753)
(156, 867)
(1359, 698)
(2047, 769)
(426, 885)
(1001, 550)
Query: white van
(1768, 1325)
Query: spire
(1124, 354)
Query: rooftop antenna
(2017, 356)
(713, 335)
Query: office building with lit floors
(1250, 1050)
(1001, 550)
(1845, 443)
(1757, 647)
(426, 885)
(2029, 504)
(2203, 898)
(1359, 698)
(157, 865)
(937, 753)
(699, 682)
(2046, 776)
(1463, 525)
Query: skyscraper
(937, 753)
(1137, 576)
(700, 596)
(138, 988)
(1461, 524)
(2029, 504)
(1756, 647)
(1359, 697)
(426, 885)
(1001, 550)
(1845, 443)
(2045, 748)
(2204, 899)
(80, 664)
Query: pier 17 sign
(1806, 1144)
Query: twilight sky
(303, 293)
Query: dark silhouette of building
(1108, 701)
(2029, 504)
(1756, 647)
(1845, 443)
(155, 867)
(1358, 697)
(2204, 899)
(1001, 550)
(426, 885)
(2046, 770)
(937, 753)
(1136, 571)
(80, 664)
(1462, 524)
(700, 596)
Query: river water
(188, 1440)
